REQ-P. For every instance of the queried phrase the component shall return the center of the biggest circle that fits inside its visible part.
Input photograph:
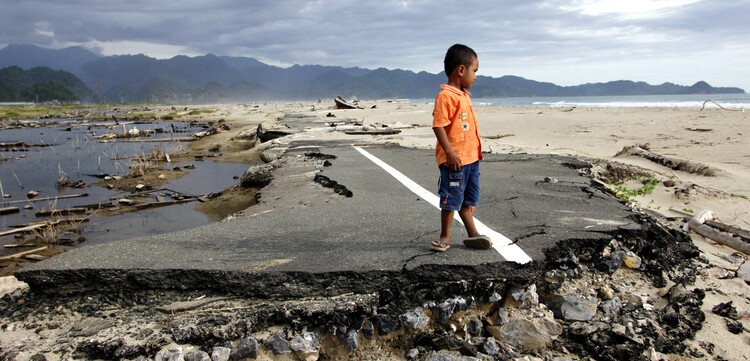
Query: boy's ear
(461, 69)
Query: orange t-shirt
(454, 112)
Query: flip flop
(441, 248)
(478, 242)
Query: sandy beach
(712, 139)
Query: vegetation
(740, 196)
(47, 92)
(41, 84)
(648, 186)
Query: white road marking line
(510, 251)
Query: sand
(716, 138)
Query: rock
(351, 338)
(198, 356)
(502, 317)
(519, 298)
(734, 327)
(446, 309)
(89, 327)
(412, 354)
(527, 334)
(247, 348)
(161, 176)
(632, 299)
(744, 272)
(415, 319)
(387, 325)
(278, 344)
(668, 183)
(222, 353)
(305, 347)
(726, 310)
(174, 354)
(611, 307)
(271, 154)
(629, 259)
(491, 347)
(304, 344)
(609, 264)
(573, 307)
(368, 330)
(606, 293)
(257, 176)
(474, 326)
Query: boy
(458, 150)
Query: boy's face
(467, 75)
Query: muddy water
(75, 153)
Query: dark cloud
(541, 39)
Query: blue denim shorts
(457, 189)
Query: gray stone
(474, 326)
(247, 348)
(221, 353)
(491, 347)
(446, 356)
(271, 154)
(573, 307)
(174, 354)
(415, 319)
(89, 327)
(611, 307)
(278, 344)
(257, 176)
(412, 354)
(368, 330)
(299, 344)
(351, 339)
(446, 309)
(744, 272)
(387, 325)
(198, 356)
(502, 317)
(527, 334)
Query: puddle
(73, 150)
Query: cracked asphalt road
(352, 244)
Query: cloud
(533, 38)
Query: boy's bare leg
(446, 219)
(468, 219)
(474, 240)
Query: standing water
(34, 159)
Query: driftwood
(61, 212)
(21, 254)
(51, 198)
(9, 210)
(34, 226)
(342, 103)
(641, 150)
(719, 105)
(698, 225)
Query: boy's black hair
(458, 54)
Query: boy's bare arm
(453, 160)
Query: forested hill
(212, 78)
(41, 84)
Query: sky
(563, 42)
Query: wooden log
(721, 237)
(164, 204)
(22, 229)
(21, 254)
(9, 210)
(50, 198)
(673, 163)
(61, 212)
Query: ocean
(728, 101)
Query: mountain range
(211, 78)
